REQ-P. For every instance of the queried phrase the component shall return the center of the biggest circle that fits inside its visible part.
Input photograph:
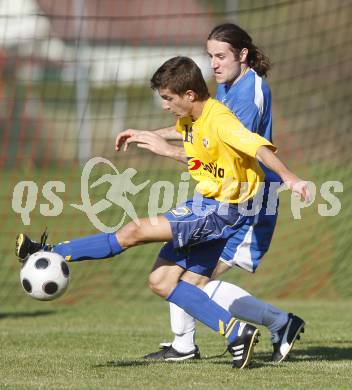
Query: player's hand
(151, 141)
(299, 188)
(123, 137)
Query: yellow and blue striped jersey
(221, 154)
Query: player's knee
(158, 286)
(130, 235)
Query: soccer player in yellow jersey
(240, 69)
(221, 154)
(228, 174)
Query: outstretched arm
(168, 133)
(157, 144)
(295, 184)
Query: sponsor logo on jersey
(214, 169)
(195, 164)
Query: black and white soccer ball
(45, 276)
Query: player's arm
(157, 144)
(271, 161)
(168, 133)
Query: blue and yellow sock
(97, 246)
(196, 302)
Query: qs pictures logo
(122, 187)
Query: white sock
(244, 306)
(184, 327)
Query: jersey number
(188, 134)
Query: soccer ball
(45, 276)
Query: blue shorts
(246, 248)
(201, 220)
(205, 232)
(200, 259)
(201, 228)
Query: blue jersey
(250, 100)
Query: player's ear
(243, 54)
(191, 95)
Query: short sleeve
(234, 134)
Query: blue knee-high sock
(196, 302)
(97, 246)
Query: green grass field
(99, 346)
(94, 336)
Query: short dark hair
(239, 39)
(180, 74)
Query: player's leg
(242, 304)
(102, 245)
(184, 225)
(183, 327)
(188, 295)
(239, 302)
(182, 324)
(246, 307)
(241, 337)
(164, 276)
(230, 297)
(162, 280)
(245, 250)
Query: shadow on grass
(141, 362)
(260, 360)
(123, 363)
(321, 354)
(310, 354)
(23, 314)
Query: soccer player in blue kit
(239, 67)
(195, 232)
